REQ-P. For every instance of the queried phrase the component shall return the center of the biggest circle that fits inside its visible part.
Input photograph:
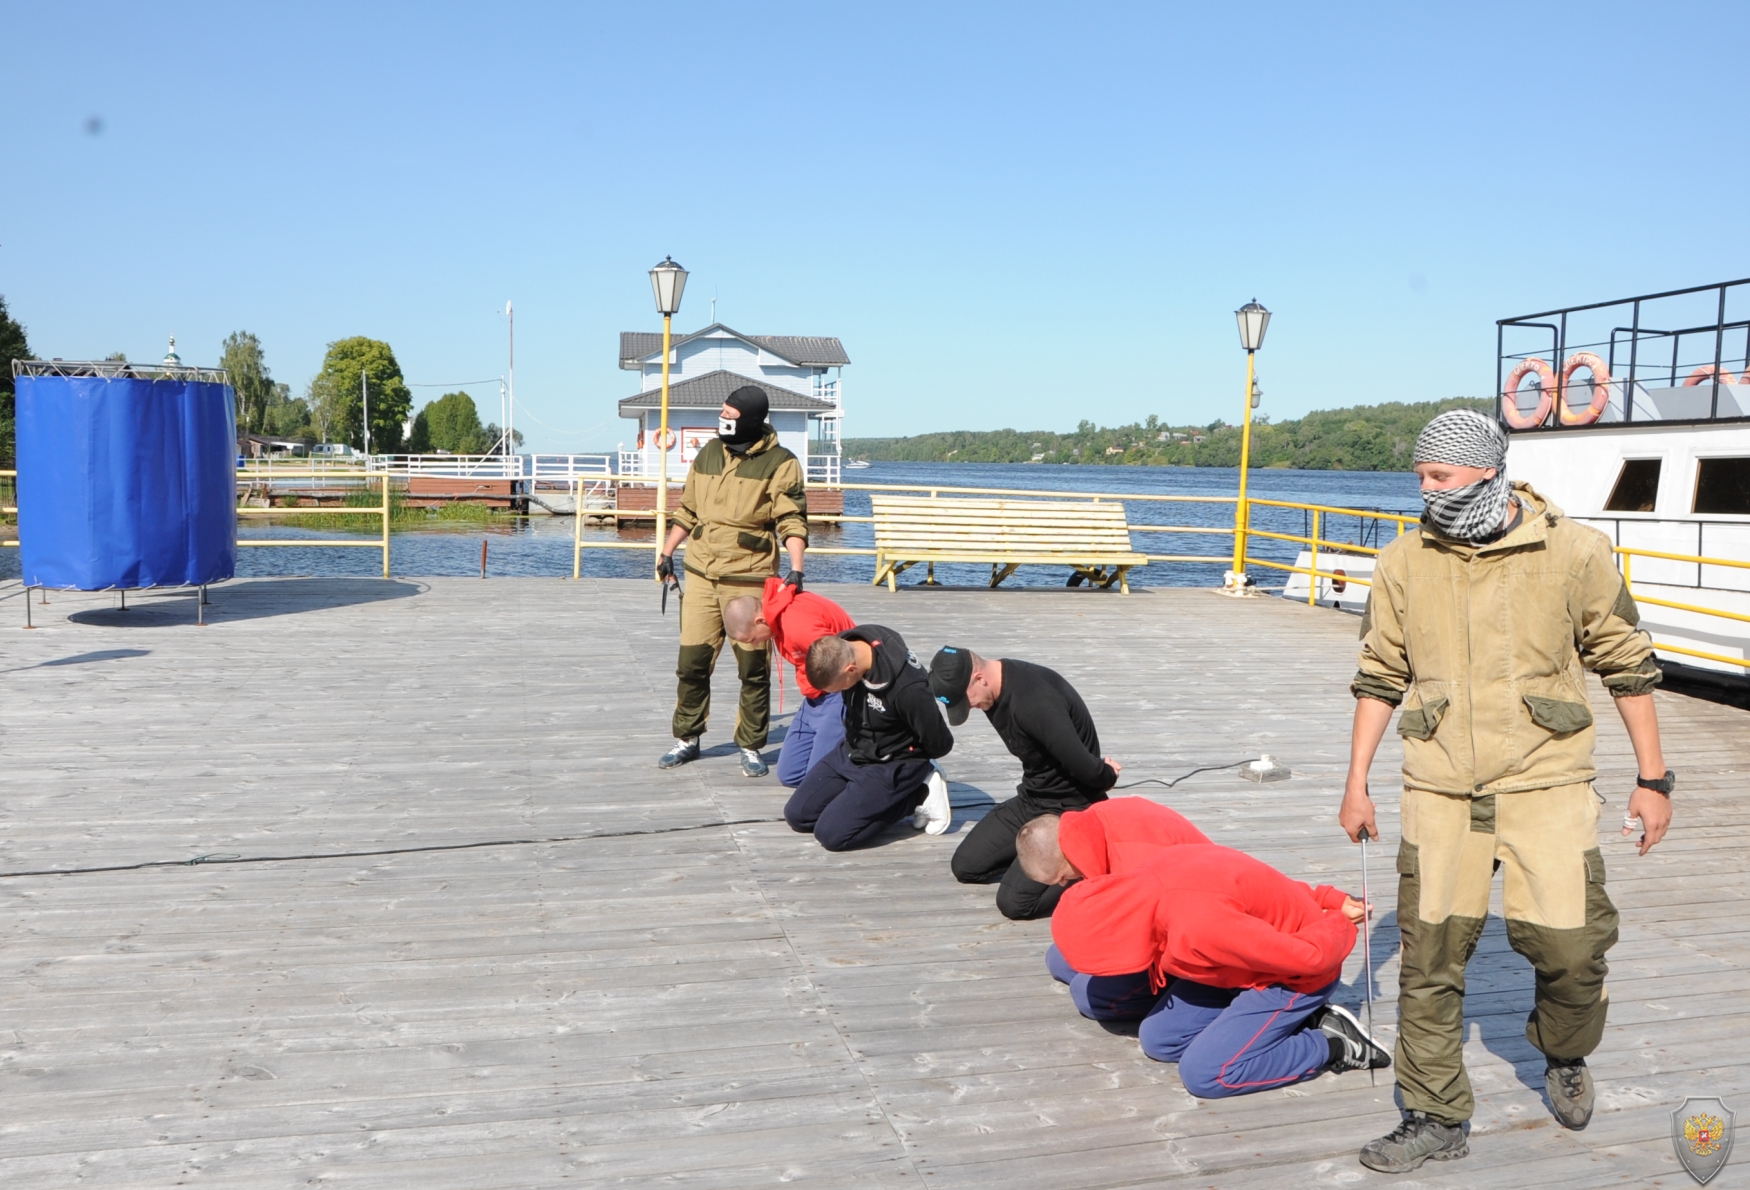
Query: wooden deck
(721, 1007)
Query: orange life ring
(1339, 583)
(665, 439)
(1705, 373)
(640, 439)
(1600, 389)
(1510, 394)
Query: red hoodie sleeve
(797, 621)
(1106, 926)
(1237, 939)
(1328, 897)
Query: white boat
(1643, 432)
(1634, 417)
(857, 465)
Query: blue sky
(1013, 215)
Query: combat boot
(1569, 1084)
(1419, 1138)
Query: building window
(1723, 486)
(1636, 488)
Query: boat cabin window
(1636, 488)
(1723, 485)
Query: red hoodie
(797, 621)
(1122, 834)
(1208, 914)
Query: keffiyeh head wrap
(1466, 438)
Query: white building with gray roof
(799, 373)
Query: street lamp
(668, 281)
(1253, 320)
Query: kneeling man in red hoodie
(792, 620)
(1240, 960)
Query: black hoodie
(891, 714)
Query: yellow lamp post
(1253, 320)
(668, 280)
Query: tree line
(1358, 438)
(330, 409)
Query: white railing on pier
(517, 466)
(637, 464)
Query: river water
(541, 545)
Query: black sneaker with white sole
(1358, 1050)
(1419, 1138)
(752, 764)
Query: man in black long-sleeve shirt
(881, 772)
(1046, 725)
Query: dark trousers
(1227, 1041)
(987, 855)
(845, 805)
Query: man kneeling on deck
(1228, 964)
(881, 771)
(1046, 725)
(1113, 837)
(792, 620)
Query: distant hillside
(1362, 438)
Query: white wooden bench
(1090, 537)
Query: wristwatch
(1663, 785)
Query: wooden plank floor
(728, 1006)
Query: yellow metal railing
(1629, 554)
(381, 510)
(933, 490)
(11, 508)
(1314, 540)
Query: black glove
(794, 579)
(665, 568)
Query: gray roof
(712, 389)
(807, 351)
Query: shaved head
(741, 615)
(1042, 858)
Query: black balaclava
(742, 432)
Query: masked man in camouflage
(744, 495)
(1480, 626)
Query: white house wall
(791, 424)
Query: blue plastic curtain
(126, 482)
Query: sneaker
(934, 813)
(1360, 1052)
(682, 752)
(751, 764)
(1419, 1138)
(1570, 1092)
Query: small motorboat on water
(856, 464)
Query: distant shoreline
(1360, 438)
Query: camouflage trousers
(1545, 844)
(701, 641)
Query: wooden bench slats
(1093, 537)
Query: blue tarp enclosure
(126, 481)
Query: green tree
(250, 380)
(493, 434)
(452, 423)
(335, 394)
(12, 346)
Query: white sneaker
(935, 813)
